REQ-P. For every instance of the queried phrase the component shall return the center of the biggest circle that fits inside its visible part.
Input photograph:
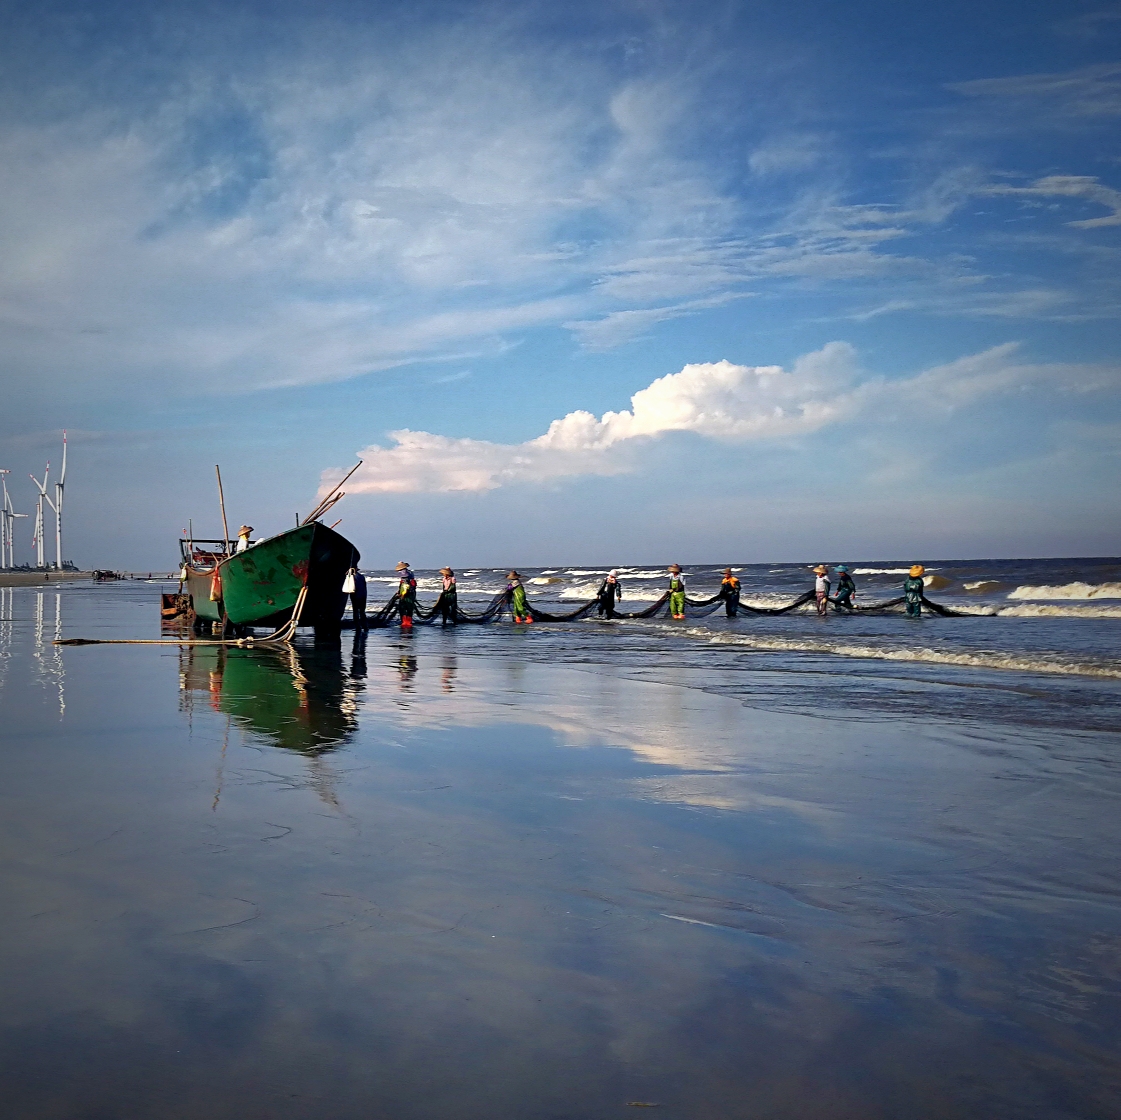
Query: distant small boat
(260, 585)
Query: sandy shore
(36, 579)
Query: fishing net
(694, 608)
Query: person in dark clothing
(610, 590)
(913, 588)
(406, 595)
(354, 585)
(730, 593)
(846, 588)
(449, 599)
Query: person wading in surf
(846, 588)
(610, 590)
(913, 588)
(730, 593)
(406, 595)
(676, 591)
(354, 585)
(449, 598)
(518, 602)
(821, 589)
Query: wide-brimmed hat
(513, 575)
(613, 572)
(446, 572)
(917, 570)
(401, 567)
(820, 570)
(245, 530)
(727, 572)
(674, 568)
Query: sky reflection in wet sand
(412, 883)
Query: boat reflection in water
(301, 699)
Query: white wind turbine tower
(8, 517)
(40, 552)
(59, 490)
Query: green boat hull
(260, 586)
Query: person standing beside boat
(913, 589)
(610, 590)
(243, 538)
(449, 599)
(730, 593)
(406, 595)
(354, 585)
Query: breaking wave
(885, 571)
(982, 659)
(1068, 591)
(1051, 610)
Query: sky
(629, 281)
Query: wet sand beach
(428, 877)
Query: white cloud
(1072, 186)
(1089, 91)
(717, 400)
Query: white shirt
(821, 586)
(242, 544)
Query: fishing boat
(259, 586)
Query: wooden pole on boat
(222, 504)
(327, 503)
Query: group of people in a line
(611, 591)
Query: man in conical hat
(449, 598)
(406, 595)
(676, 591)
(914, 587)
(518, 604)
(243, 537)
(821, 589)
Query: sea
(766, 867)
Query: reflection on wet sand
(301, 699)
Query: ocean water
(857, 867)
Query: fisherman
(406, 595)
(846, 588)
(730, 593)
(449, 599)
(516, 592)
(676, 591)
(354, 585)
(243, 538)
(610, 590)
(913, 587)
(821, 589)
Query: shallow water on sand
(469, 875)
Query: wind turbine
(40, 552)
(57, 507)
(8, 517)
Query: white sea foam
(983, 659)
(981, 584)
(586, 572)
(1068, 591)
(1051, 610)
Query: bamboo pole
(222, 504)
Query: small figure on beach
(676, 591)
(846, 588)
(730, 593)
(354, 585)
(821, 589)
(518, 602)
(610, 590)
(406, 595)
(913, 588)
(449, 598)
(243, 538)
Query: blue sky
(620, 281)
